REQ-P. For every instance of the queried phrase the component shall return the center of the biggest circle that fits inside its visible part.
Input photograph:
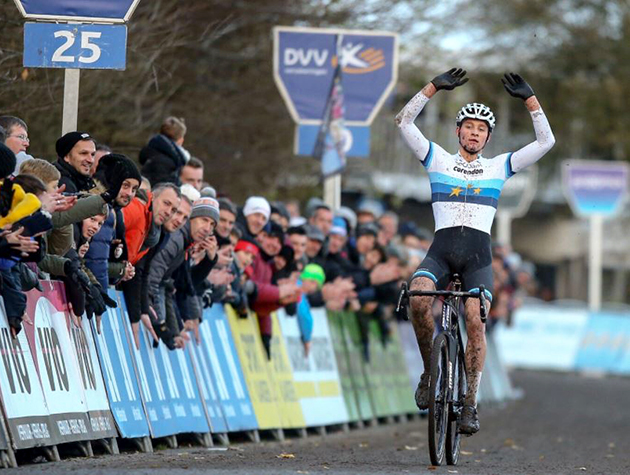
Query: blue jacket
(97, 257)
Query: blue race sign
(73, 46)
(78, 10)
(305, 60)
(595, 187)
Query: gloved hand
(72, 269)
(450, 79)
(94, 305)
(516, 86)
(164, 334)
(115, 178)
(16, 325)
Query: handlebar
(405, 294)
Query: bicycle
(448, 369)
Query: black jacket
(161, 160)
(73, 180)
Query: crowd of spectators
(174, 244)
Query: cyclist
(465, 191)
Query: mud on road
(565, 424)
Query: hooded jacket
(161, 160)
(138, 219)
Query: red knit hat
(243, 245)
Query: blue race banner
(208, 386)
(218, 345)
(159, 407)
(77, 10)
(595, 187)
(58, 45)
(123, 391)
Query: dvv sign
(304, 63)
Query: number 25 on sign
(75, 46)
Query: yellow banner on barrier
(282, 373)
(262, 389)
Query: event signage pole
(595, 190)
(84, 35)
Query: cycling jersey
(467, 193)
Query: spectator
(311, 280)
(293, 207)
(75, 152)
(315, 239)
(97, 257)
(16, 133)
(298, 240)
(101, 151)
(192, 173)
(198, 230)
(164, 156)
(322, 218)
(254, 217)
(388, 224)
(369, 211)
(269, 297)
(280, 215)
(227, 218)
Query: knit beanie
(339, 227)
(205, 207)
(7, 161)
(315, 272)
(67, 142)
(208, 192)
(190, 192)
(257, 204)
(107, 163)
(246, 245)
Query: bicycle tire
(453, 437)
(438, 400)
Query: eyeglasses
(22, 137)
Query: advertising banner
(282, 374)
(226, 370)
(316, 377)
(28, 417)
(159, 406)
(121, 381)
(254, 362)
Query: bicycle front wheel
(439, 406)
(453, 437)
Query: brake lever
(482, 299)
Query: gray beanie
(205, 207)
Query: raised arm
(406, 117)
(516, 86)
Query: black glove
(115, 179)
(16, 324)
(73, 271)
(516, 86)
(110, 302)
(95, 305)
(164, 334)
(450, 79)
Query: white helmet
(477, 111)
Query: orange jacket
(138, 218)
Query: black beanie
(107, 163)
(7, 161)
(67, 142)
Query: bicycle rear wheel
(453, 437)
(438, 399)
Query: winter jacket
(169, 258)
(97, 257)
(268, 297)
(61, 238)
(73, 180)
(22, 205)
(161, 160)
(138, 220)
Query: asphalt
(564, 424)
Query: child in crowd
(311, 280)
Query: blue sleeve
(305, 319)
